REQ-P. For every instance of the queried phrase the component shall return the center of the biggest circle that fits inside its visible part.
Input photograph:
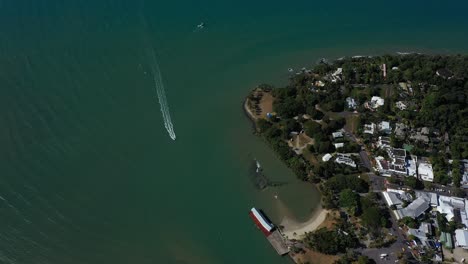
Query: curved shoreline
(249, 114)
(293, 229)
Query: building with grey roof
(414, 209)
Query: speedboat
(201, 25)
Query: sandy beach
(293, 229)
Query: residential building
(461, 238)
(383, 142)
(425, 171)
(338, 145)
(336, 76)
(432, 198)
(376, 102)
(421, 233)
(411, 166)
(382, 166)
(345, 159)
(446, 239)
(396, 162)
(400, 130)
(396, 197)
(444, 73)
(351, 103)
(400, 105)
(326, 157)
(464, 181)
(369, 128)
(385, 127)
(337, 134)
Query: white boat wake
(158, 83)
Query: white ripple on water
(161, 95)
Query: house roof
(392, 198)
(326, 157)
(425, 171)
(446, 238)
(337, 134)
(461, 236)
(415, 209)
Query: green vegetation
(349, 200)
(334, 241)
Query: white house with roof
(338, 145)
(337, 134)
(400, 105)
(449, 205)
(326, 157)
(411, 166)
(425, 171)
(461, 238)
(369, 128)
(385, 127)
(351, 103)
(396, 197)
(345, 159)
(376, 102)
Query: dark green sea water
(88, 173)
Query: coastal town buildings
(396, 161)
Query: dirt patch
(314, 257)
(330, 220)
(299, 142)
(266, 104)
(259, 103)
(352, 123)
(310, 157)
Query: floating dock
(272, 234)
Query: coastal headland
(361, 128)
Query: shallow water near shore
(88, 172)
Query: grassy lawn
(352, 123)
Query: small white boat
(201, 25)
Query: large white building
(425, 171)
(376, 102)
(461, 238)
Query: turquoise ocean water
(88, 173)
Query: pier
(278, 243)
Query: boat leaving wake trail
(158, 83)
